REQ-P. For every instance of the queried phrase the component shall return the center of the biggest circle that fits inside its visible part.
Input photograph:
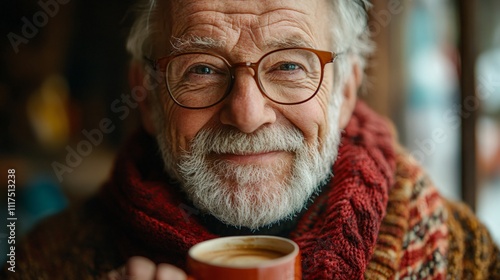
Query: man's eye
(289, 66)
(202, 70)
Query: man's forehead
(177, 11)
(195, 25)
(256, 7)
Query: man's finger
(169, 272)
(140, 268)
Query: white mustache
(232, 141)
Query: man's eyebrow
(198, 43)
(292, 42)
(194, 43)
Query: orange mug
(245, 258)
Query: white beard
(248, 195)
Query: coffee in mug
(245, 258)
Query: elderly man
(252, 105)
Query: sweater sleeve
(472, 253)
(417, 220)
(74, 244)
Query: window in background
(488, 125)
(431, 127)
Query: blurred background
(65, 104)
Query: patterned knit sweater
(379, 218)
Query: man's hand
(140, 268)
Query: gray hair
(350, 34)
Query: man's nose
(246, 108)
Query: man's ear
(136, 78)
(350, 93)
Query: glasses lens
(290, 76)
(197, 80)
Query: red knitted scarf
(337, 235)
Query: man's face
(247, 160)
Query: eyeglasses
(198, 80)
